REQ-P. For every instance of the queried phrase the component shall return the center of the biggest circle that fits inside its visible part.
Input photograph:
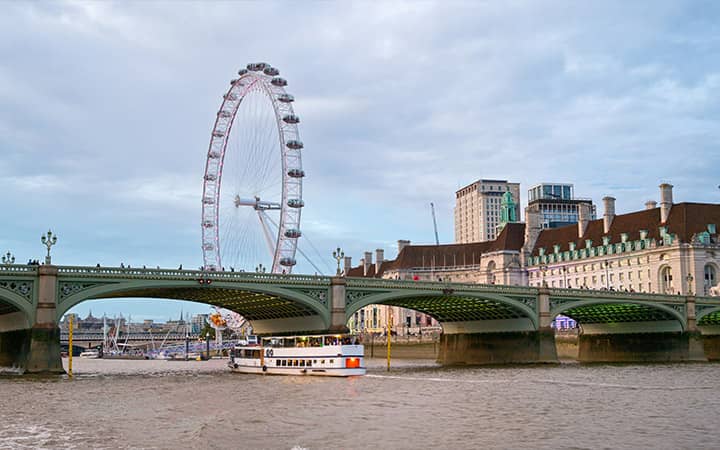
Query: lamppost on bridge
(689, 278)
(338, 254)
(8, 258)
(260, 268)
(48, 240)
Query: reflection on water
(178, 404)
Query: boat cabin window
(277, 363)
(247, 353)
(302, 363)
(284, 362)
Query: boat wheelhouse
(325, 355)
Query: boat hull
(298, 371)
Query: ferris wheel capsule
(277, 81)
(286, 98)
(295, 145)
(288, 262)
(291, 118)
(271, 71)
(296, 173)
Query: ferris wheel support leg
(266, 231)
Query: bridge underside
(467, 314)
(267, 313)
(623, 318)
(479, 330)
(629, 332)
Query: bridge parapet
(188, 275)
(605, 294)
(439, 286)
(18, 269)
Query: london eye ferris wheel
(252, 188)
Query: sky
(106, 110)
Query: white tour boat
(327, 355)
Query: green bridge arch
(219, 293)
(706, 313)
(566, 308)
(17, 304)
(477, 304)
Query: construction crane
(432, 208)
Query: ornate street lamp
(260, 268)
(689, 279)
(48, 240)
(8, 258)
(338, 255)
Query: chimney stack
(650, 204)
(583, 218)
(609, 216)
(347, 264)
(532, 230)
(666, 201)
(367, 262)
(401, 244)
(379, 258)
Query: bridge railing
(439, 285)
(604, 293)
(176, 274)
(22, 269)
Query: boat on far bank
(324, 355)
(90, 354)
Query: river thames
(195, 404)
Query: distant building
(478, 209)
(557, 205)
(198, 322)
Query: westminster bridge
(482, 324)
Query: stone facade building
(671, 249)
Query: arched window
(710, 278)
(666, 280)
(490, 274)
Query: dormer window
(624, 237)
(643, 234)
(606, 240)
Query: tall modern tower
(478, 209)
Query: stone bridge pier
(515, 341)
(31, 342)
